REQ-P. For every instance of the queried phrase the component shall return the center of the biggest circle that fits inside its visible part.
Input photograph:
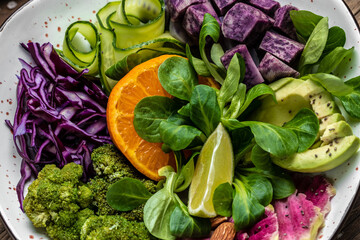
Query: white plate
(46, 21)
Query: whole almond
(225, 231)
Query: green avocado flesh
(326, 121)
(321, 159)
(336, 130)
(292, 96)
(336, 142)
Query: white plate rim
(339, 227)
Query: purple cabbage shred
(60, 115)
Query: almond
(216, 221)
(225, 231)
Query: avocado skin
(320, 159)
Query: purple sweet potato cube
(283, 21)
(273, 69)
(194, 17)
(245, 23)
(267, 6)
(252, 74)
(223, 5)
(177, 8)
(282, 47)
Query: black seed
(329, 154)
(317, 113)
(325, 119)
(266, 226)
(331, 129)
(320, 97)
(328, 150)
(302, 212)
(331, 144)
(310, 96)
(305, 227)
(289, 111)
(316, 155)
(282, 100)
(331, 107)
(286, 215)
(328, 104)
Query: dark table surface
(349, 229)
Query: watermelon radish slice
(267, 228)
(298, 217)
(317, 189)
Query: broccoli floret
(110, 166)
(55, 200)
(60, 231)
(113, 227)
(58, 201)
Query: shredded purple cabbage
(60, 115)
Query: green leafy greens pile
(186, 121)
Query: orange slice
(142, 81)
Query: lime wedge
(214, 166)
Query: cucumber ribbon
(126, 34)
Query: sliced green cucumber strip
(80, 47)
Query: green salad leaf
(222, 199)
(177, 77)
(306, 126)
(304, 22)
(148, 115)
(127, 194)
(315, 45)
(204, 109)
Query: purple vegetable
(282, 47)
(194, 17)
(317, 189)
(267, 228)
(245, 23)
(177, 8)
(298, 217)
(241, 236)
(177, 31)
(267, 6)
(252, 74)
(283, 21)
(223, 5)
(60, 116)
(273, 69)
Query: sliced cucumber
(127, 32)
(82, 53)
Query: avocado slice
(336, 130)
(337, 142)
(292, 96)
(321, 159)
(326, 121)
(323, 104)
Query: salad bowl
(33, 23)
